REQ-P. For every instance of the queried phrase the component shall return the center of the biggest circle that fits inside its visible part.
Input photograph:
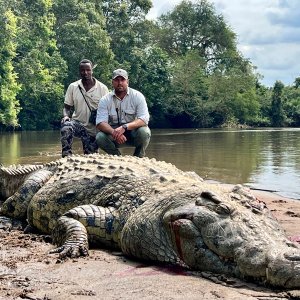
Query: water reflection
(281, 163)
(265, 159)
(10, 148)
(29, 147)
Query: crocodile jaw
(205, 241)
(284, 268)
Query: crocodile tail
(12, 177)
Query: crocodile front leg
(102, 223)
(72, 237)
(83, 225)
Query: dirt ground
(27, 271)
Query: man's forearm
(105, 127)
(137, 123)
(66, 112)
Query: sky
(268, 33)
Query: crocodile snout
(284, 268)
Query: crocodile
(151, 210)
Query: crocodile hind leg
(83, 225)
(16, 205)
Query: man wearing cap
(81, 98)
(123, 117)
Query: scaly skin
(153, 211)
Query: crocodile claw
(6, 223)
(71, 250)
(9, 224)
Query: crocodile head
(232, 236)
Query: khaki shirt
(114, 111)
(81, 112)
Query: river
(267, 159)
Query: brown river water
(267, 159)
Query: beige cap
(119, 72)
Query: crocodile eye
(209, 195)
(223, 209)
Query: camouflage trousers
(71, 129)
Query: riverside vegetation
(185, 62)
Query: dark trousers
(71, 129)
(139, 138)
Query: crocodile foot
(71, 249)
(9, 224)
(71, 237)
(6, 223)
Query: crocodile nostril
(292, 256)
(223, 209)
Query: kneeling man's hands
(121, 139)
(118, 135)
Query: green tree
(40, 66)
(187, 97)
(264, 95)
(221, 88)
(291, 105)
(80, 32)
(245, 107)
(9, 87)
(150, 73)
(297, 82)
(233, 98)
(277, 113)
(196, 26)
(126, 26)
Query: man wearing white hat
(123, 117)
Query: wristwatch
(125, 126)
